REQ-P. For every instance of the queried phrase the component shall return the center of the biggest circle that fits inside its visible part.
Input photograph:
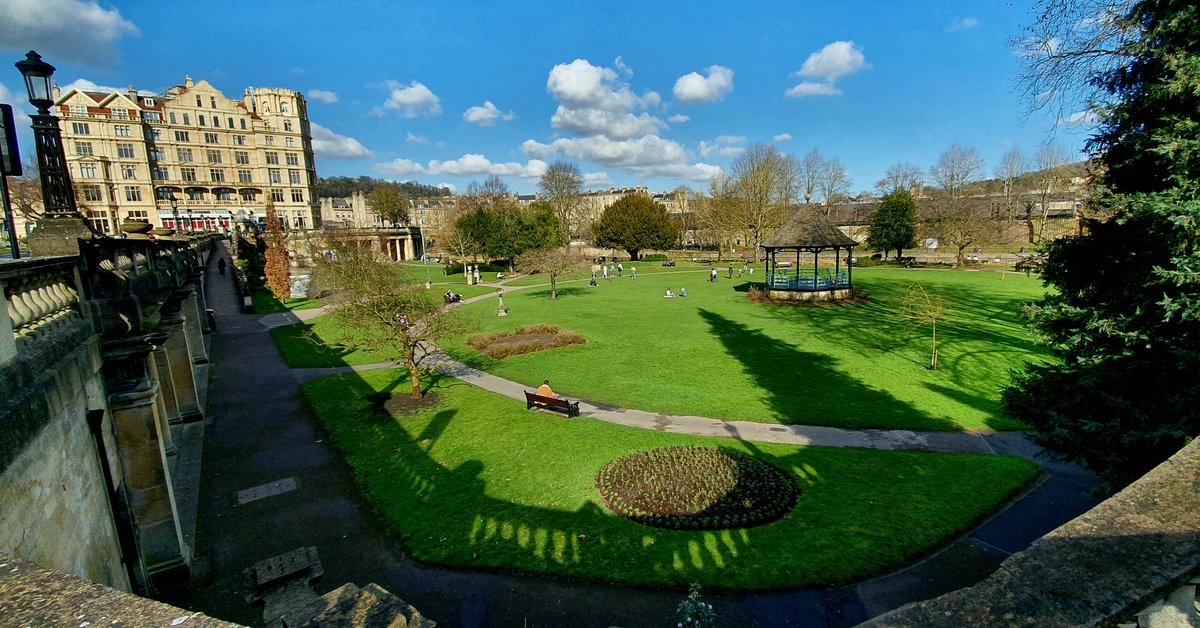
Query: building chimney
(187, 82)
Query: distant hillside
(342, 187)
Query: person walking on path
(731, 271)
(633, 272)
(221, 265)
(712, 276)
(620, 270)
(605, 268)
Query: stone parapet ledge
(1120, 559)
(32, 596)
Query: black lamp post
(58, 197)
(175, 212)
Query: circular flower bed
(696, 488)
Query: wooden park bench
(551, 403)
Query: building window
(200, 119)
(172, 114)
(78, 110)
(182, 136)
(243, 124)
(120, 114)
(187, 173)
(122, 130)
(128, 171)
(83, 149)
(244, 176)
(87, 171)
(272, 159)
(80, 128)
(159, 173)
(133, 193)
(270, 140)
(277, 195)
(289, 141)
(152, 116)
(157, 154)
(199, 102)
(224, 194)
(241, 157)
(249, 196)
(92, 194)
(294, 177)
(287, 125)
(273, 176)
(297, 197)
(185, 154)
(293, 159)
(217, 122)
(149, 102)
(212, 101)
(195, 194)
(283, 107)
(125, 151)
(153, 134)
(216, 175)
(239, 140)
(214, 156)
(211, 138)
(298, 221)
(230, 121)
(186, 120)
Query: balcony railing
(40, 299)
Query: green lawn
(478, 481)
(266, 303)
(717, 354)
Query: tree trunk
(633, 254)
(899, 254)
(553, 286)
(933, 360)
(415, 377)
(961, 255)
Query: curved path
(260, 430)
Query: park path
(259, 430)
(814, 435)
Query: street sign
(10, 155)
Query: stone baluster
(8, 343)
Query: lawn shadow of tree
(801, 385)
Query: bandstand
(809, 259)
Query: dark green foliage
(505, 231)
(635, 223)
(341, 187)
(696, 488)
(1124, 319)
(893, 223)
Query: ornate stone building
(219, 157)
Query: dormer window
(149, 102)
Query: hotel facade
(222, 160)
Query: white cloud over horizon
(692, 88)
(330, 145)
(597, 179)
(826, 66)
(469, 165)
(71, 31)
(782, 137)
(678, 118)
(1086, 116)
(324, 96)
(414, 100)
(416, 139)
(487, 114)
(962, 24)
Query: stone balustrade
(39, 299)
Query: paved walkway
(260, 430)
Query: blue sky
(636, 93)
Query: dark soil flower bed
(696, 488)
(528, 339)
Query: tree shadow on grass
(805, 387)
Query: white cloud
(449, 186)
(678, 118)
(782, 137)
(808, 88)
(328, 144)
(416, 139)
(1033, 47)
(626, 70)
(962, 24)
(64, 31)
(1080, 117)
(731, 139)
(834, 61)
(651, 99)
(469, 165)
(85, 85)
(723, 145)
(412, 101)
(588, 122)
(597, 179)
(580, 84)
(694, 88)
(487, 115)
(649, 155)
(323, 96)
(730, 151)
(6, 95)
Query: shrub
(654, 257)
(528, 339)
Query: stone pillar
(179, 362)
(148, 483)
(193, 329)
(162, 363)
(58, 236)
(164, 429)
(199, 281)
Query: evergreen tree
(1124, 315)
(893, 223)
(635, 223)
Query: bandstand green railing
(795, 265)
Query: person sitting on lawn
(544, 389)
(669, 294)
(452, 297)
(683, 292)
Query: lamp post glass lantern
(58, 196)
(175, 213)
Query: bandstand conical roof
(808, 228)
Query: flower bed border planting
(542, 336)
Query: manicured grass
(478, 481)
(266, 303)
(317, 344)
(717, 354)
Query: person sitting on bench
(544, 389)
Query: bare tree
(764, 184)
(900, 176)
(397, 321)
(562, 186)
(956, 168)
(1009, 171)
(922, 307)
(716, 214)
(389, 204)
(962, 225)
(1049, 161)
(834, 184)
(551, 262)
(808, 174)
